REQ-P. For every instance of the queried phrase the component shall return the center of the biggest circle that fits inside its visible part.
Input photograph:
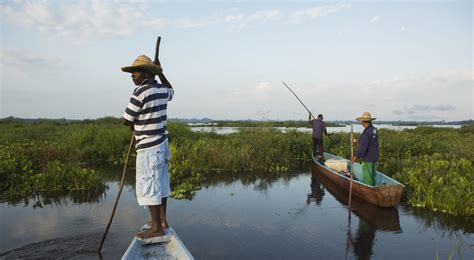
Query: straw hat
(365, 117)
(145, 63)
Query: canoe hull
(384, 219)
(386, 195)
(174, 249)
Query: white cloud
(315, 12)
(441, 94)
(25, 60)
(412, 110)
(84, 21)
(79, 21)
(264, 86)
(265, 15)
(375, 19)
(232, 18)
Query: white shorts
(152, 179)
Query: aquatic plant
(435, 164)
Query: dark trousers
(318, 147)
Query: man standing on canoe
(368, 149)
(146, 115)
(319, 127)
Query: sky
(399, 60)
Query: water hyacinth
(435, 164)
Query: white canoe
(174, 249)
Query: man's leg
(374, 173)
(320, 148)
(156, 228)
(368, 173)
(164, 222)
(315, 147)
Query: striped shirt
(147, 112)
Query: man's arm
(310, 121)
(131, 112)
(164, 80)
(162, 76)
(363, 146)
(127, 123)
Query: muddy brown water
(296, 216)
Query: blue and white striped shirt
(147, 112)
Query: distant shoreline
(241, 123)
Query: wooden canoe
(382, 219)
(385, 193)
(174, 249)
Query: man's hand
(127, 123)
(353, 159)
(354, 140)
(309, 117)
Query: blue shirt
(369, 145)
(319, 127)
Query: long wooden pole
(122, 183)
(298, 99)
(352, 155)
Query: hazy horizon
(248, 119)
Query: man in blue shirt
(368, 149)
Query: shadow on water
(83, 246)
(371, 217)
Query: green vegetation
(33, 153)
(44, 157)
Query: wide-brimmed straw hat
(145, 63)
(365, 117)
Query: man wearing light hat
(368, 149)
(146, 115)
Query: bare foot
(148, 233)
(164, 225)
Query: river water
(296, 216)
(357, 128)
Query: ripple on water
(74, 247)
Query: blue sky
(403, 60)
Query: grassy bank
(43, 156)
(435, 164)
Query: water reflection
(57, 198)
(447, 225)
(371, 218)
(41, 199)
(317, 192)
(339, 129)
(261, 181)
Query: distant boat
(173, 249)
(385, 193)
